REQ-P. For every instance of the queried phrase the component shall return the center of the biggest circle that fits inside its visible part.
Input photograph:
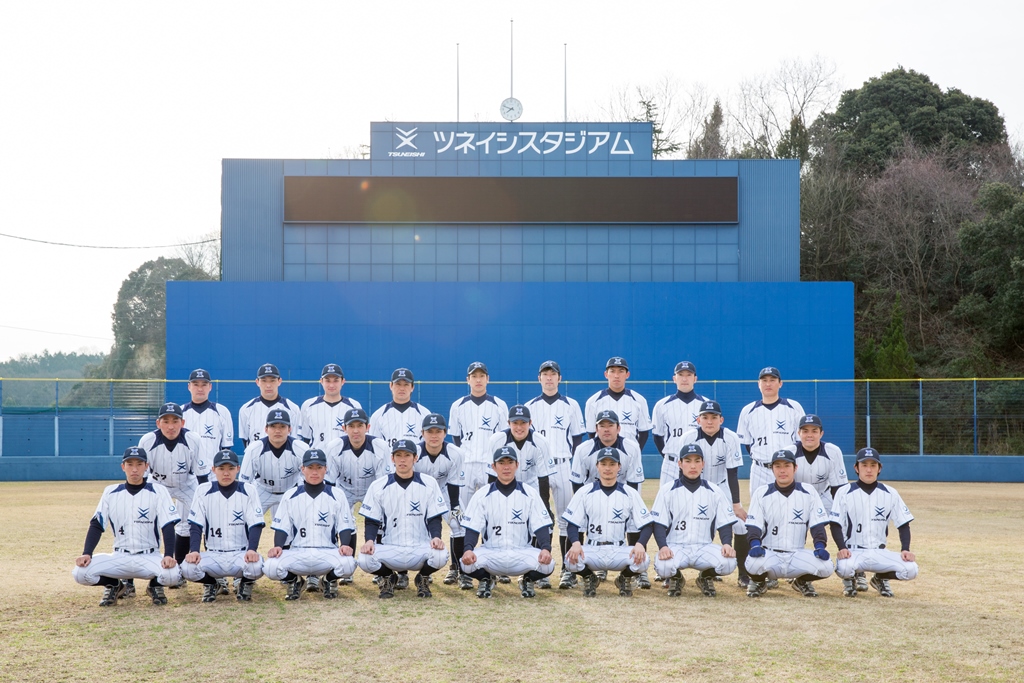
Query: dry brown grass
(959, 621)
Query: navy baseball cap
(199, 375)
(403, 374)
(314, 456)
(279, 417)
(225, 457)
(769, 372)
(474, 366)
(268, 370)
(519, 413)
(690, 449)
(549, 365)
(616, 362)
(407, 445)
(135, 453)
(332, 369)
(607, 416)
(711, 407)
(810, 421)
(170, 409)
(608, 454)
(434, 421)
(784, 456)
(356, 415)
(869, 454)
(685, 366)
(506, 452)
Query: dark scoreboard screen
(335, 199)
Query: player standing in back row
(472, 421)
(252, 417)
(209, 421)
(323, 417)
(630, 406)
(401, 417)
(674, 416)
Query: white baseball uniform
(323, 422)
(392, 422)
(560, 420)
(584, 461)
(783, 522)
(827, 470)
(403, 509)
(176, 464)
(312, 524)
(603, 514)
(473, 420)
(354, 469)
(766, 429)
(534, 456)
(225, 521)
(691, 518)
(630, 406)
(252, 417)
(446, 469)
(507, 524)
(212, 423)
(864, 519)
(272, 470)
(673, 417)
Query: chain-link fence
(898, 417)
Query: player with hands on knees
(443, 461)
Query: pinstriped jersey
(602, 515)
(392, 422)
(506, 521)
(136, 520)
(353, 470)
(785, 520)
(691, 517)
(559, 419)
(474, 422)
(826, 471)
(673, 417)
(211, 423)
(252, 417)
(631, 408)
(864, 517)
(767, 429)
(721, 453)
(225, 520)
(322, 422)
(584, 461)
(174, 464)
(314, 522)
(446, 467)
(403, 511)
(274, 469)
(534, 458)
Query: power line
(63, 334)
(95, 246)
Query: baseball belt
(606, 542)
(671, 458)
(559, 461)
(866, 547)
(776, 550)
(766, 465)
(136, 552)
(237, 550)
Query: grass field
(961, 620)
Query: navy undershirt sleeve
(92, 537)
(634, 484)
(544, 487)
(818, 533)
(904, 536)
(660, 534)
(659, 443)
(280, 538)
(345, 537)
(168, 533)
(572, 533)
(457, 440)
(837, 536)
(195, 538)
(734, 484)
(725, 533)
(203, 478)
(753, 533)
(645, 533)
(371, 528)
(544, 538)
(472, 536)
(576, 441)
(453, 495)
(434, 527)
(255, 532)
(641, 438)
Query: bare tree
(202, 253)
(676, 110)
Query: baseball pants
(269, 500)
(222, 564)
(876, 560)
(788, 565)
(476, 478)
(669, 470)
(696, 556)
(126, 566)
(607, 558)
(561, 490)
(402, 558)
(760, 476)
(309, 562)
(454, 525)
(183, 500)
(508, 562)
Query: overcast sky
(114, 116)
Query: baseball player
(406, 509)
(686, 514)
(176, 462)
(604, 508)
(443, 461)
(323, 417)
(609, 435)
(818, 464)
(780, 515)
(400, 418)
(630, 406)
(560, 420)
(674, 416)
(860, 522)
(210, 421)
(507, 515)
(315, 522)
(138, 513)
(252, 416)
(472, 420)
(273, 464)
(227, 516)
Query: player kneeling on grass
(860, 518)
(227, 515)
(407, 506)
(315, 518)
(507, 514)
(777, 523)
(686, 515)
(133, 510)
(603, 508)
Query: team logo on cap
(278, 415)
(618, 361)
(400, 373)
(432, 419)
(518, 410)
(200, 374)
(268, 368)
(313, 456)
(133, 451)
(331, 369)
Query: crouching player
(686, 515)
(507, 514)
(777, 524)
(860, 518)
(603, 508)
(132, 509)
(316, 519)
(227, 515)
(406, 507)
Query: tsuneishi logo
(405, 139)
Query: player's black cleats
(129, 589)
(387, 586)
(452, 577)
(707, 586)
(112, 593)
(805, 588)
(567, 580)
(504, 579)
(643, 582)
(756, 589)
(882, 586)
(486, 587)
(312, 584)
(527, 588)
(403, 582)
(157, 594)
(602, 575)
(222, 586)
(210, 591)
(862, 581)
(330, 589)
(625, 585)
(465, 582)
(849, 589)
(676, 583)
(590, 586)
(771, 583)
(743, 582)
(543, 583)
(295, 587)
(345, 581)
(243, 593)
(422, 586)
